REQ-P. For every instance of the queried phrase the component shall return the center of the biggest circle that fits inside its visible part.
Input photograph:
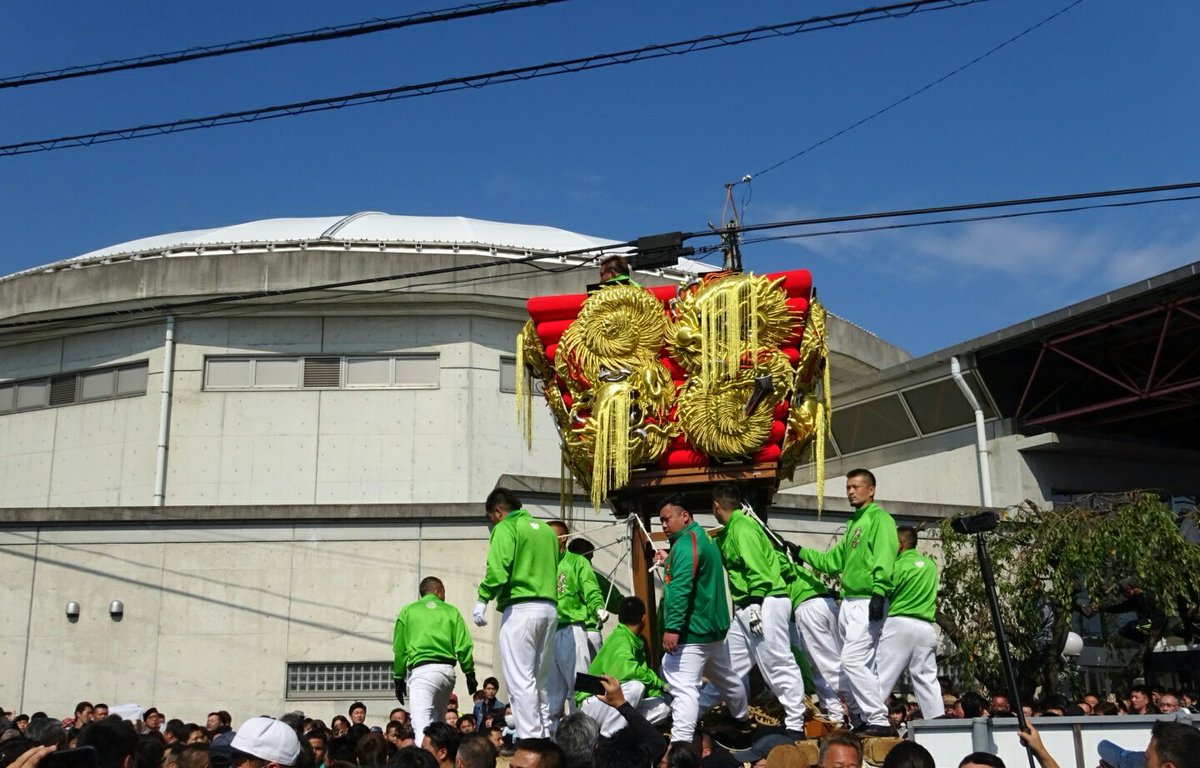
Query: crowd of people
(579, 700)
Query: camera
(980, 523)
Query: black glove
(878, 608)
(794, 551)
(472, 683)
(400, 689)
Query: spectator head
(1000, 704)
(432, 585)
(466, 724)
(674, 514)
(908, 754)
(537, 753)
(1189, 699)
(476, 752)
(153, 718)
(981, 760)
(262, 742)
(452, 716)
(491, 686)
(21, 722)
(413, 757)
(1105, 708)
(195, 756)
(499, 503)
(495, 735)
(317, 742)
(1168, 703)
(632, 613)
(973, 705)
(339, 725)
(83, 713)
(177, 731)
(577, 736)
(897, 713)
(1173, 745)
(357, 712)
(683, 754)
(99, 711)
(372, 749)
(1091, 699)
(114, 741)
(46, 731)
(1139, 698)
(391, 732)
(840, 750)
(399, 715)
(151, 751)
(441, 741)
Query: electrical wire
(550, 69)
(371, 26)
(914, 94)
(213, 304)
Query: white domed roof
(365, 227)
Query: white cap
(267, 739)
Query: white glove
(480, 614)
(755, 619)
(601, 617)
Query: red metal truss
(1133, 359)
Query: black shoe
(740, 736)
(875, 730)
(795, 735)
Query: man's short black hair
(549, 752)
(727, 496)
(982, 758)
(581, 547)
(477, 752)
(907, 536)
(318, 735)
(491, 681)
(908, 754)
(1176, 743)
(443, 736)
(429, 585)
(860, 472)
(632, 610)
(973, 704)
(502, 497)
(113, 739)
(81, 706)
(411, 757)
(677, 499)
(180, 731)
(356, 705)
(1142, 689)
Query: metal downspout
(164, 414)
(985, 473)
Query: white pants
(683, 671)
(595, 640)
(526, 651)
(772, 653)
(821, 639)
(653, 709)
(912, 643)
(860, 638)
(570, 656)
(429, 689)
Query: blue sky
(1105, 96)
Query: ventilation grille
(62, 389)
(322, 372)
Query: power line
(139, 315)
(1044, 200)
(920, 90)
(567, 66)
(321, 34)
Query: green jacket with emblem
(863, 556)
(623, 656)
(522, 561)
(579, 595)
(749, 559)
(431, 629)
(694, 600)
(915, 585)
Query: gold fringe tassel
(610, 463)
(524, 394)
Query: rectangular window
(74, 387)
(508, 374)
(345, 679)
(352, 372)
(871, 424)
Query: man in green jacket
(696, 621)
(579, 599)
(762, 609)
(521, 576)
(623, 656)
(816, 633)
(430, 636)
(908, 638)
(863, 557)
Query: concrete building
(259, 447)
